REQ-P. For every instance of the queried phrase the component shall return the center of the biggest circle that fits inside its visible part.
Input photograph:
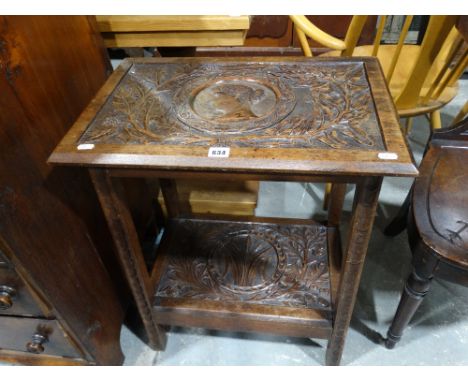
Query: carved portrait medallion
(227, 100)
(232, 105)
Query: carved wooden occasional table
(287, 119)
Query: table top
(291, 115)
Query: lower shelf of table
(268, 275)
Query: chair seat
(408, 56)
(440, 202)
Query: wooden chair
(437, 222)
(461, 114)
(422, 78)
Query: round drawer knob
(6, 297)
(36, 345)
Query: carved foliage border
(300, 277)
(141, 110)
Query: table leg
(175, 206)
(335, 209)
(111, 197)
(365, 205)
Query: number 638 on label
(218, 152)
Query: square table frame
(109, 188)
(107, 168)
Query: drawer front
(35, 336)
(15, 297)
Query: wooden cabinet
(16, 298)
(31, 330)
(38, 336)
(58, 303)
(273, 31)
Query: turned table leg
(365, 205)
(415, 290)
(111, 196)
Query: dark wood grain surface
(255, 105)
(255, 263)
(16, 297)
(50, 67)
(210, 271)
(440, 203)
(336, 115)
(269, 31)
(17, 334)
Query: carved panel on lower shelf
(254, 263)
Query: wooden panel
(269, 31)
(28, 359)
(50, 218)
(17, 333)
(244, 273)
(439, 201)
(285, 322)
(217, 197)
(165, 39)
(446, 204)
(171, 23)
(173, 31)
(259, 108)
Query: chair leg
(436, 122)
(414, 292)
(398, 224)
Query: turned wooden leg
(365, 205)
(111, 196)
(415, 290)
